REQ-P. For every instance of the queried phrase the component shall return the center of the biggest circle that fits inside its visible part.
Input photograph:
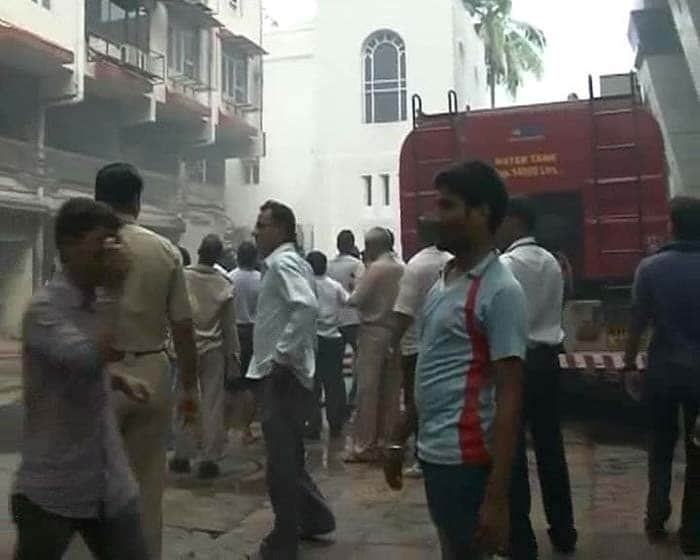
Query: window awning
(194, 12)
(23, 49)
(240, 42)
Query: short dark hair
(211, 249)
(185, 254)
(247, 254)
(79, 216)
(346, 241)
(318, 262)
(382, 236)
(685, 218)
(120, 185)
(392, 238)
(525, 210)
(427, 230)
(477, 184)
(282, 216)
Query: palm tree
(513, 48)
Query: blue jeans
(455, 494)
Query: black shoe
(336, 433)
(208, 470)
(656, 531)
(564, 542)
(180, 466)
(268, 551)
(312, 533)
(689, 545)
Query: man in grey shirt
(74, 475)
(347, 269)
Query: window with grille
(183, 51)
(251, 172)
(386, 186)
(234, 78)
(384, 61)
(367, 179)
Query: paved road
(226, 519)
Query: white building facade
(338, 107)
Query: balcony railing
(148, 63)
(18, 156)
(205, 194)
(78, 171)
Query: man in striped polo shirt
(473, 339)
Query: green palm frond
(513, 48)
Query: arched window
(384, 59)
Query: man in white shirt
(332, 299)
(348, 270)
(246, 285)
(421, 273)
(540, 276)
(283, 356)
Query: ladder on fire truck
(436, 156)
(617, 185)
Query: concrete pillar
(38, 254)
(686, 15)
(671, 93)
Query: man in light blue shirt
(472, 341)
(284, 357)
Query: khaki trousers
(379, 388)
(211, 418)
(144, 428)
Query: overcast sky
(584, 38)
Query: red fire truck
(597, 171)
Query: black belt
(144, 353)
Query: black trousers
(665, 401)
(349, 334)
(245, 337)
(298, 504)
(542, 416)
(46, 536)
(329, 380)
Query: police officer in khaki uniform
(154, 299)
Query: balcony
(76, 172)
(148, 64)
(198, 12)
(205, 196)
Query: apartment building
(173, 86)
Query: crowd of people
(456, 349)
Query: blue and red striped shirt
(464, 327)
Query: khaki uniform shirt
(376, 293)
(154, 292)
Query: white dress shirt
(285, 326)
(347, 270)
(246, 286)
(421, 273)
(332, 299)
(540, 276)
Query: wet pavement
(226, 519)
